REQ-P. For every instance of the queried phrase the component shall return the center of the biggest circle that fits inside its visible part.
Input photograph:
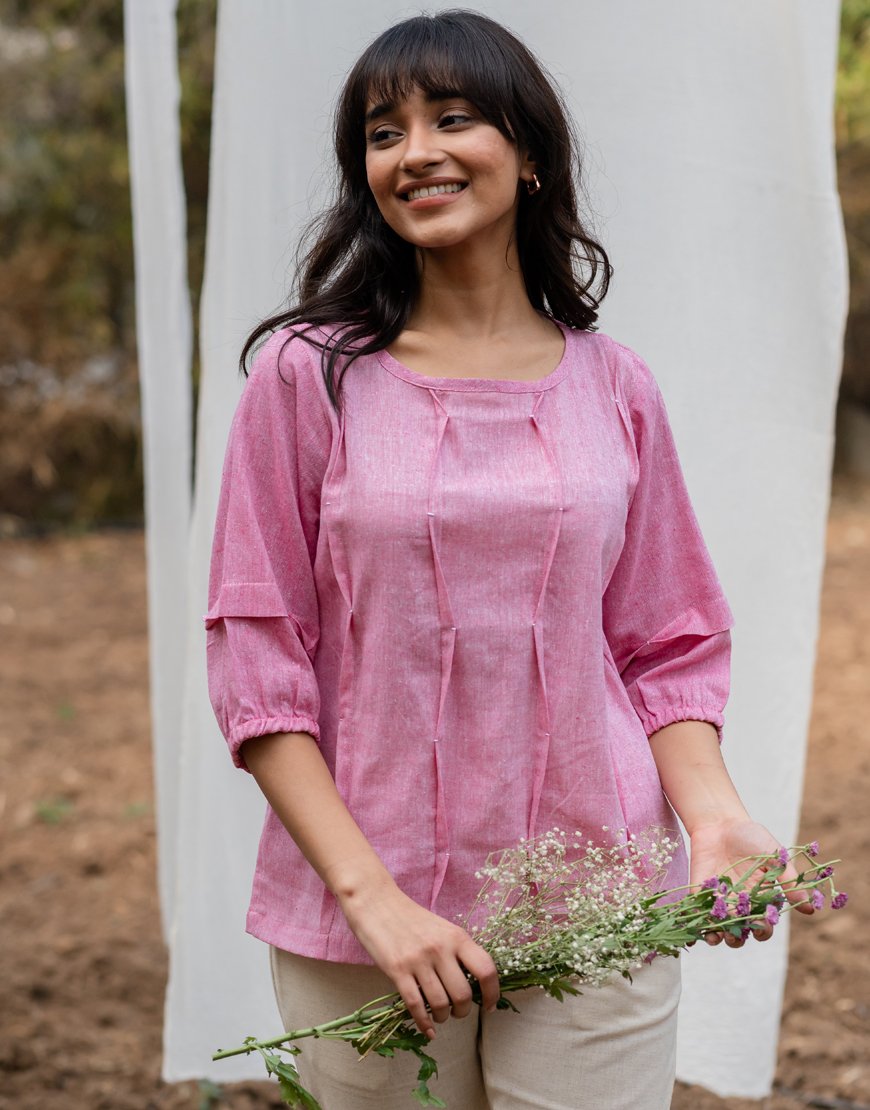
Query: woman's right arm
(422, 953)
(263, 632)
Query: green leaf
(295, 1095)
(428, 1069)
(558, 988)
(425, 1097)
(289, 1083)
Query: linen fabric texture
(479, 596)
(613, 1046)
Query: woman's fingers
(438, 987)
(434, 994)
(480, 964)
(457, 988)
(762, 930)
(415, 1004)
(433, 991)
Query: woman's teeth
(433, 190)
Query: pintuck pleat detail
(448, 642)
(543, 705)
(342, 577)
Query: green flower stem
(366, 1016)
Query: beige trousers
(611, 1048)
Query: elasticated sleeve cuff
(265, 726)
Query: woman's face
(444, 145)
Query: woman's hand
(715, 847)
(700, 789)
(425, 955)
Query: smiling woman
(459, 595)
(427, 96)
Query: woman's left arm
(667, 624)
(721, 831)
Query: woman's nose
(421, 148)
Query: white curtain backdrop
(708, 131)
(163, 331)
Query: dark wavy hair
(357, 275)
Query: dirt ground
(82, 965)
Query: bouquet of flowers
(558, 913)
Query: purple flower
(744, 904)
(813, 849)
(723, 888)
(711, 883)
(818, 899)
(745, 933)
(839, 900)
(771, 915)
(782, 856)
(825, 873)
(720, 909)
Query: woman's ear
(528, 167)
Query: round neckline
(483, 385)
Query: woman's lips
(436, 200)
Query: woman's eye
(381, 135)
(455, 117)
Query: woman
(458, 593)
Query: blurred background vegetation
(70, 446)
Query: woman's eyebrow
(387, 106)
(378, 111)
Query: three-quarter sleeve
(666, 619)
(262, 621)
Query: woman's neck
(471, 294)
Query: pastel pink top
(480, 597)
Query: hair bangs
(443, 58)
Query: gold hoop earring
(533, 186)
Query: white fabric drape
(163, 333)
(709, 146)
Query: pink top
(480, 596)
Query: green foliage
(51, 811)
(853, 173)
(70, 440)
(853, 73)
(70, 446)
(196, 21)
(210, 1094)
(289, 1083)
(64, 183)
(135, 810)
(407, 1038)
